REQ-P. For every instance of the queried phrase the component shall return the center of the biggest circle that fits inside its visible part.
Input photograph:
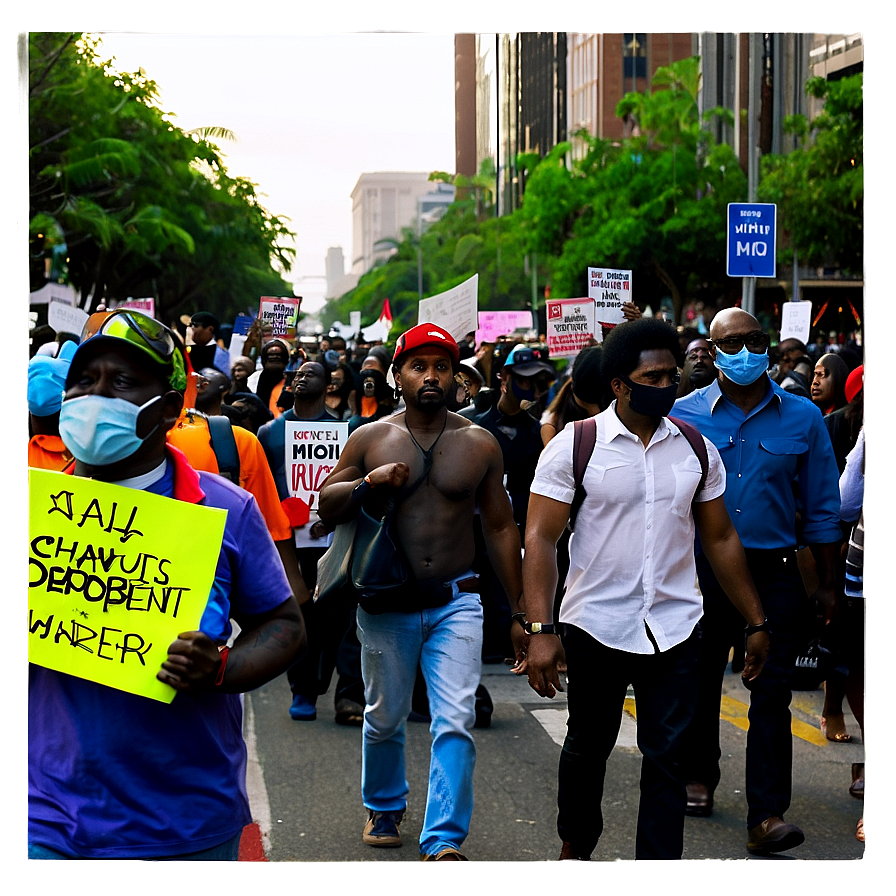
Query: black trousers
(769, 740)
(665, 686)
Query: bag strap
(584, 436)
(692, 434)
(224, 445)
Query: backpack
(220, 429)
(584, 437)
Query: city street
(305, 785)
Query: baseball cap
(427, 334)
(142, 332)
(854, 382)
(528, 361)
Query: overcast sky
(310, 114)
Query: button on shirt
(632, 552)
(781, 442)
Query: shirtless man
(443, 467)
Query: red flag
(386, 315)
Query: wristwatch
(752, 629)
(540, 628)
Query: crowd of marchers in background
(784, 513)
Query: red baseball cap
(854, 382)
(427, 334)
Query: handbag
(814, 663)
(363, 559)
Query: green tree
(819, 187)
(138, 206)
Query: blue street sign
(751, 239)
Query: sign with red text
(282, 313)
(312, 451)
(113, 580)
(570, 326)
(609, 288)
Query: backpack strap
(584, 435)
(224, 445)
(692, 434)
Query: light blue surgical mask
(743, 367)
(100, 431)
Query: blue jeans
(447, 643)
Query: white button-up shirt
(632, 551)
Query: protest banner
(493, 324)
(570, 324)
(64, 318)
(312, 450)
(454, 310)
(796, 318)
(282, 313)
(147, 305)
(111, 581)
(609, 288)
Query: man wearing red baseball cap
(438, 467)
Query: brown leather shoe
(449, 854)
(774, 835)
(567, 852)
(699, 800)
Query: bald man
(776, 452)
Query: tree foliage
(138, 206)
(819, 187)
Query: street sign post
(751, 239)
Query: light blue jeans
(447, 643)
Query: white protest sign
(570, 325)
(796, 321)
(454, 310)
(312, 450)
(64, 318)
(493, 324)
(282, 313)
(54, 292)
(236, 346)
(354, 321)
(609, 288)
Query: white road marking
(255, 786)
(554, 723)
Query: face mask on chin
(100, 431)
(744, 367)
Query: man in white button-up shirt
(632, 603)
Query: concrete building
(338, 282)
(383, 204)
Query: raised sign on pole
(751, 239)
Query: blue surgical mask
(100, 431)
(743, 367)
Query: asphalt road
(305, 783)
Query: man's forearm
(503, 547)
(539, 579)
(729, 563)
(264, 652)
(825, 556)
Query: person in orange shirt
(46, 383)
(192, 435)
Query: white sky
(310, 113)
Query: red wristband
(224, 651)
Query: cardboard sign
(796, 318)
(64, 318)
(281, 313)
(147, 305)
(493, 324)
(609, 288)
(312, 450)
(570, 324)
(454, 310)
(113, 580)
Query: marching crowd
(670, 501)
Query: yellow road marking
(735, 713)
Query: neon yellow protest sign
(113, 580)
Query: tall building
(383, 204)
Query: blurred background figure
(698, 370)
(828, 389)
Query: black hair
(621, 349)
(205, 319)
(587, 383)
(258, 410)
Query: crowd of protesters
(787, 568)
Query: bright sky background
(310, 113)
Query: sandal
(860, 830)
(857, 788)
(838, 737)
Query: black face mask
(651, 401)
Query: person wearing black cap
(113, 774)
(438, 467)
(205, 351)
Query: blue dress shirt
(780, 462)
